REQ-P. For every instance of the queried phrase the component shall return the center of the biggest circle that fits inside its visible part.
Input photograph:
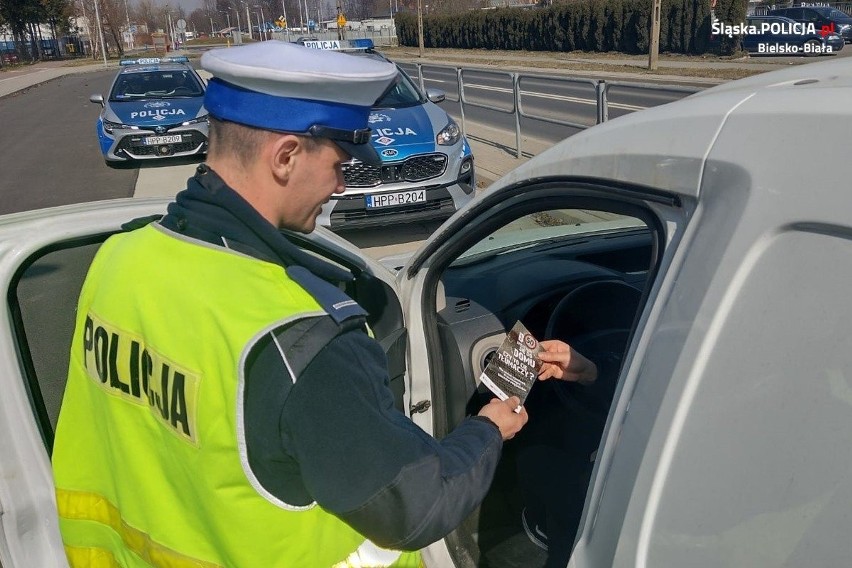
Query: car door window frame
(528, 197)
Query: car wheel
(813, 47)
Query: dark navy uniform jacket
(331, 434)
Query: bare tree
(114, 19)
(148, 11)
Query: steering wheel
(595, 319)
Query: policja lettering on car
(172, 399)
(158, 112)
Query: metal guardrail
(601, 88)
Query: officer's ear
(283, 153)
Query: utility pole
(89, 29)
(100, 32)
(420, 24)
(654, 47)
(129, 33)
(207, 5)
(307, 17)
(286, 21)
(248, 21)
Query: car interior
(578, 275)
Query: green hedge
(585, 25)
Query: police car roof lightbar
(155, 60)
(342, 44)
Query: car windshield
(403, 94)
(547, 228)
(156, 85)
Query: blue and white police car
(155, 109)
(427, 166)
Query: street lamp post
(420, 25)
(227, 15)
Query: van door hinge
(421, 406)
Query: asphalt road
(49, 152)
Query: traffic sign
(341, 20)
(181, 24)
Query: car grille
(414, 169)
(446, 204)
(191, 139)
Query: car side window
(810, 15)
(44, 307)
(43, 300)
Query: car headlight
(199, 120)
(449, 135)
(844, 27)
(110, 126)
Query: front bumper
(447, 180)
(350, 211)
(129, 144)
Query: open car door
(44, 258)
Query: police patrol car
(155, 109)
(687, 242)
(427, 166)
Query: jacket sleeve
(368, 464)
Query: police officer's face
(315, 178)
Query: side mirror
(99, 99)
(436, 95)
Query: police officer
(226, 404)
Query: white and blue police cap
(285, 87)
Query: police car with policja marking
(155, 109)
(427, 165)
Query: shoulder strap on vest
(304, 339)
(332, 299)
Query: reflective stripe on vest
(148, 461)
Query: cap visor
(363, 152)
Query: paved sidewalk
(22, 78)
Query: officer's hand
(502, 413)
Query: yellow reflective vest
(149, 460)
